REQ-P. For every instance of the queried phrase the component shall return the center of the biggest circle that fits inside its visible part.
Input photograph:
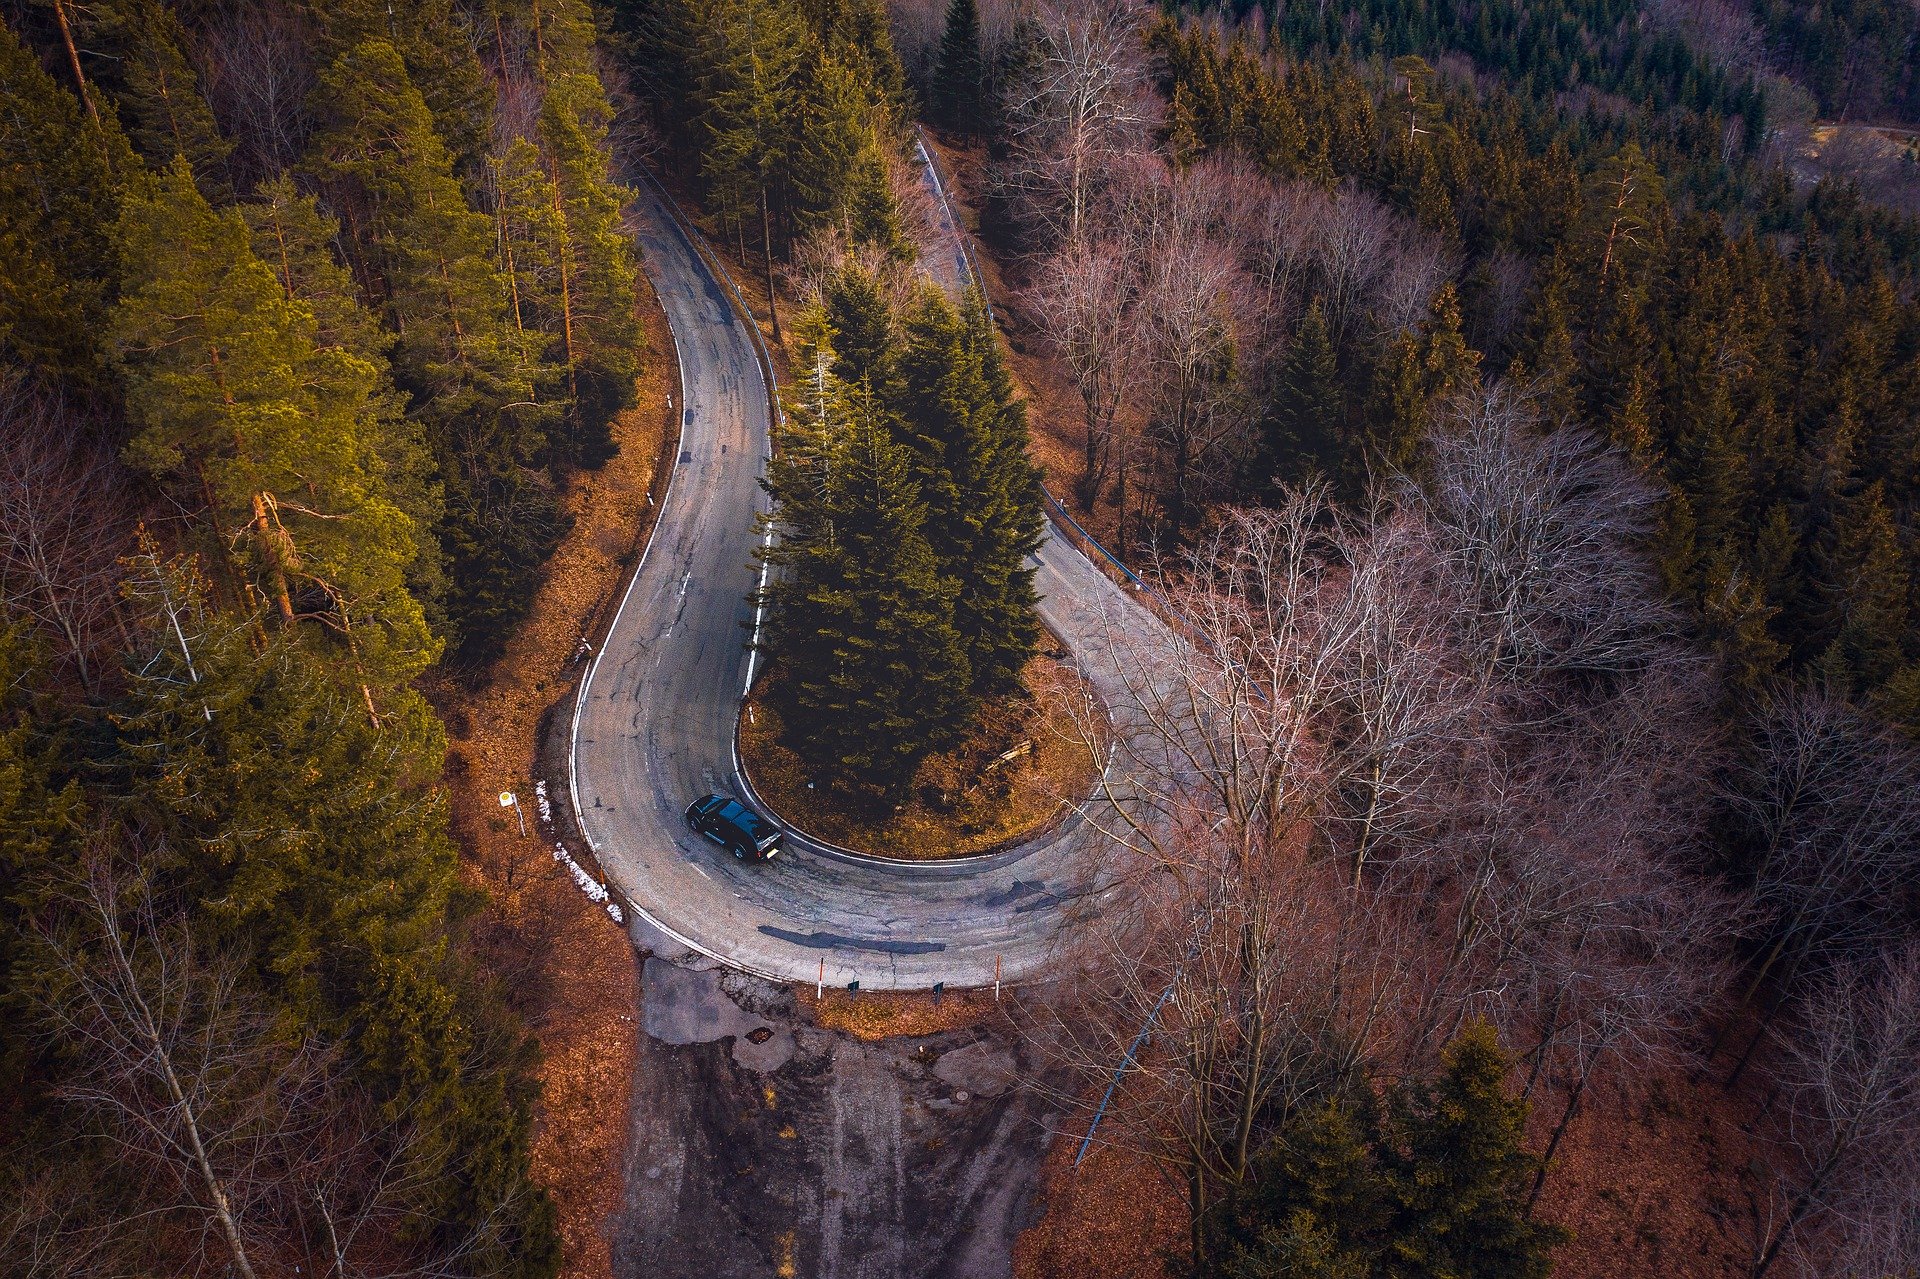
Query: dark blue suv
(734, 826)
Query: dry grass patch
(1021, 769)
(885, 1014)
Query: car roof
(745, 818)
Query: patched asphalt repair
(765, 1146)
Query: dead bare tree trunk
(64, 523)
(1854, 1074)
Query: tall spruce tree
(148, 78)
(957, 93)
(295, 239)
(839, 165)
(316, 846)
(865, 330)
(1462, 1171)
(599, 333)
(271, 437)
(876, 675)
(1419, 370)
(1431, 1180)
(469, 378)
(958, 412)
(437, 43)
(750, 61)
(59, 194)
(1306, 422)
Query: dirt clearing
(765, 1144)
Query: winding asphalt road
(655, 722)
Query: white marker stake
(996, 979)
(510, 800)
(820, 984)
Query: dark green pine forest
(306, 310)
(1647, 267)
(906, 512)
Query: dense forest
(1753, 345)
(1526, 458)
(1521, 453)
(308, 309)
(906, 511)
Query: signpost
(510, 800)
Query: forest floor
(562, 962)
(1018, 772)
(1662, 1177)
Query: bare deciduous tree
(1083, 105)
(1195, 324)
(1546, 529)
(64, 522)
(1380, 774)
(257, 73)
(1829, 800)
(254, 1139)
(183, 1069)
(1853, 1123)
(1221, 1003)
(1086, 293)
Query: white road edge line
(586, 683)
(759, 610)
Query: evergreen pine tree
(59, 195)
(41, 811)
(528, 237)
(274, 437)
(1544, 355)
(468, 375)
(435, 40)
(861, 616)
(956, 96)
(295, 240)
(1420, 370)
(827, 144)
(318, 844)
(599, 333)
(1826, 484)
(750, 60)
(1306, 422)
(1318, 1207)
(1873, 584)
(958, 413)
(1626, 206)
(873, 216)
(863, 36)
(864, 339)
(1462, 1172)
(154, 86)
(1431, 1180)
(1185, 145)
